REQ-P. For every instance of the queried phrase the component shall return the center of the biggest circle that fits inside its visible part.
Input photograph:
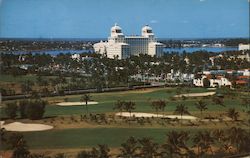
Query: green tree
(201, 105)
(86, 98)
(233, 114)
(11, 110)
(23, 107)
(129, 106)
(176, 144)
(129, 149)
(119, 105)
(35, 109)
(148, 148)
(203, 141)
(158, 105)
(181, 109)
(206, 83)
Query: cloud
(153, 21)
(202, 0)
(1, 1)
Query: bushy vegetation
(31, 109)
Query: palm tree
(129, 148)
(129, 106)
(119, 105)
(218, 101)
(219, 136)
(158, 105)
(103, 151)
(236, 136)
(181, 109)
(245, 102)
(201, 105)
(233, 114)
(148, 148)
(203, 141)
(85, 98)
(176, 144)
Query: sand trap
(1, 123)
(25, 127)
(75, 103)
(140, 114)
(196, 94)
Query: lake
(194, 49)
(166, 50)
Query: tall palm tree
(236, 137)
(148, 148)
(176, 144)
(218, 101)
(219, 136)
(119, 105)
(129, 106)
(158, 105)
(245, 102)
(181, 109)
(203, 141)
(86, 98)
(129, 149)
(201, 105)
(233, 114)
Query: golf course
(83, 126)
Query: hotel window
(118, 31)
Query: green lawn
(142, 100)
(89, 137)
(18, 79)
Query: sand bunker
(25, 127)
(75, 103)
(140, 114)
(196, 94)
(1, 123)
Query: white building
(244, 46)
(123, 47)
(218, 82)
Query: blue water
(55, 52)
(194, 49)
(166, 50)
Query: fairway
(72, 132)
(90, 137)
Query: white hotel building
(122, 46)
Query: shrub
(11, 110)
(35, 109)
(22, 108)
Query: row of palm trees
(180, 144)
(181, 109)
(177, 144)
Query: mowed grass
(143, 102)
(17, 79)
(90, 137)
(114, 136)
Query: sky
(94, 18)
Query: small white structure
(76, 57)
(198, 82)
(122, 47)
(218, 82)
(244, 46)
